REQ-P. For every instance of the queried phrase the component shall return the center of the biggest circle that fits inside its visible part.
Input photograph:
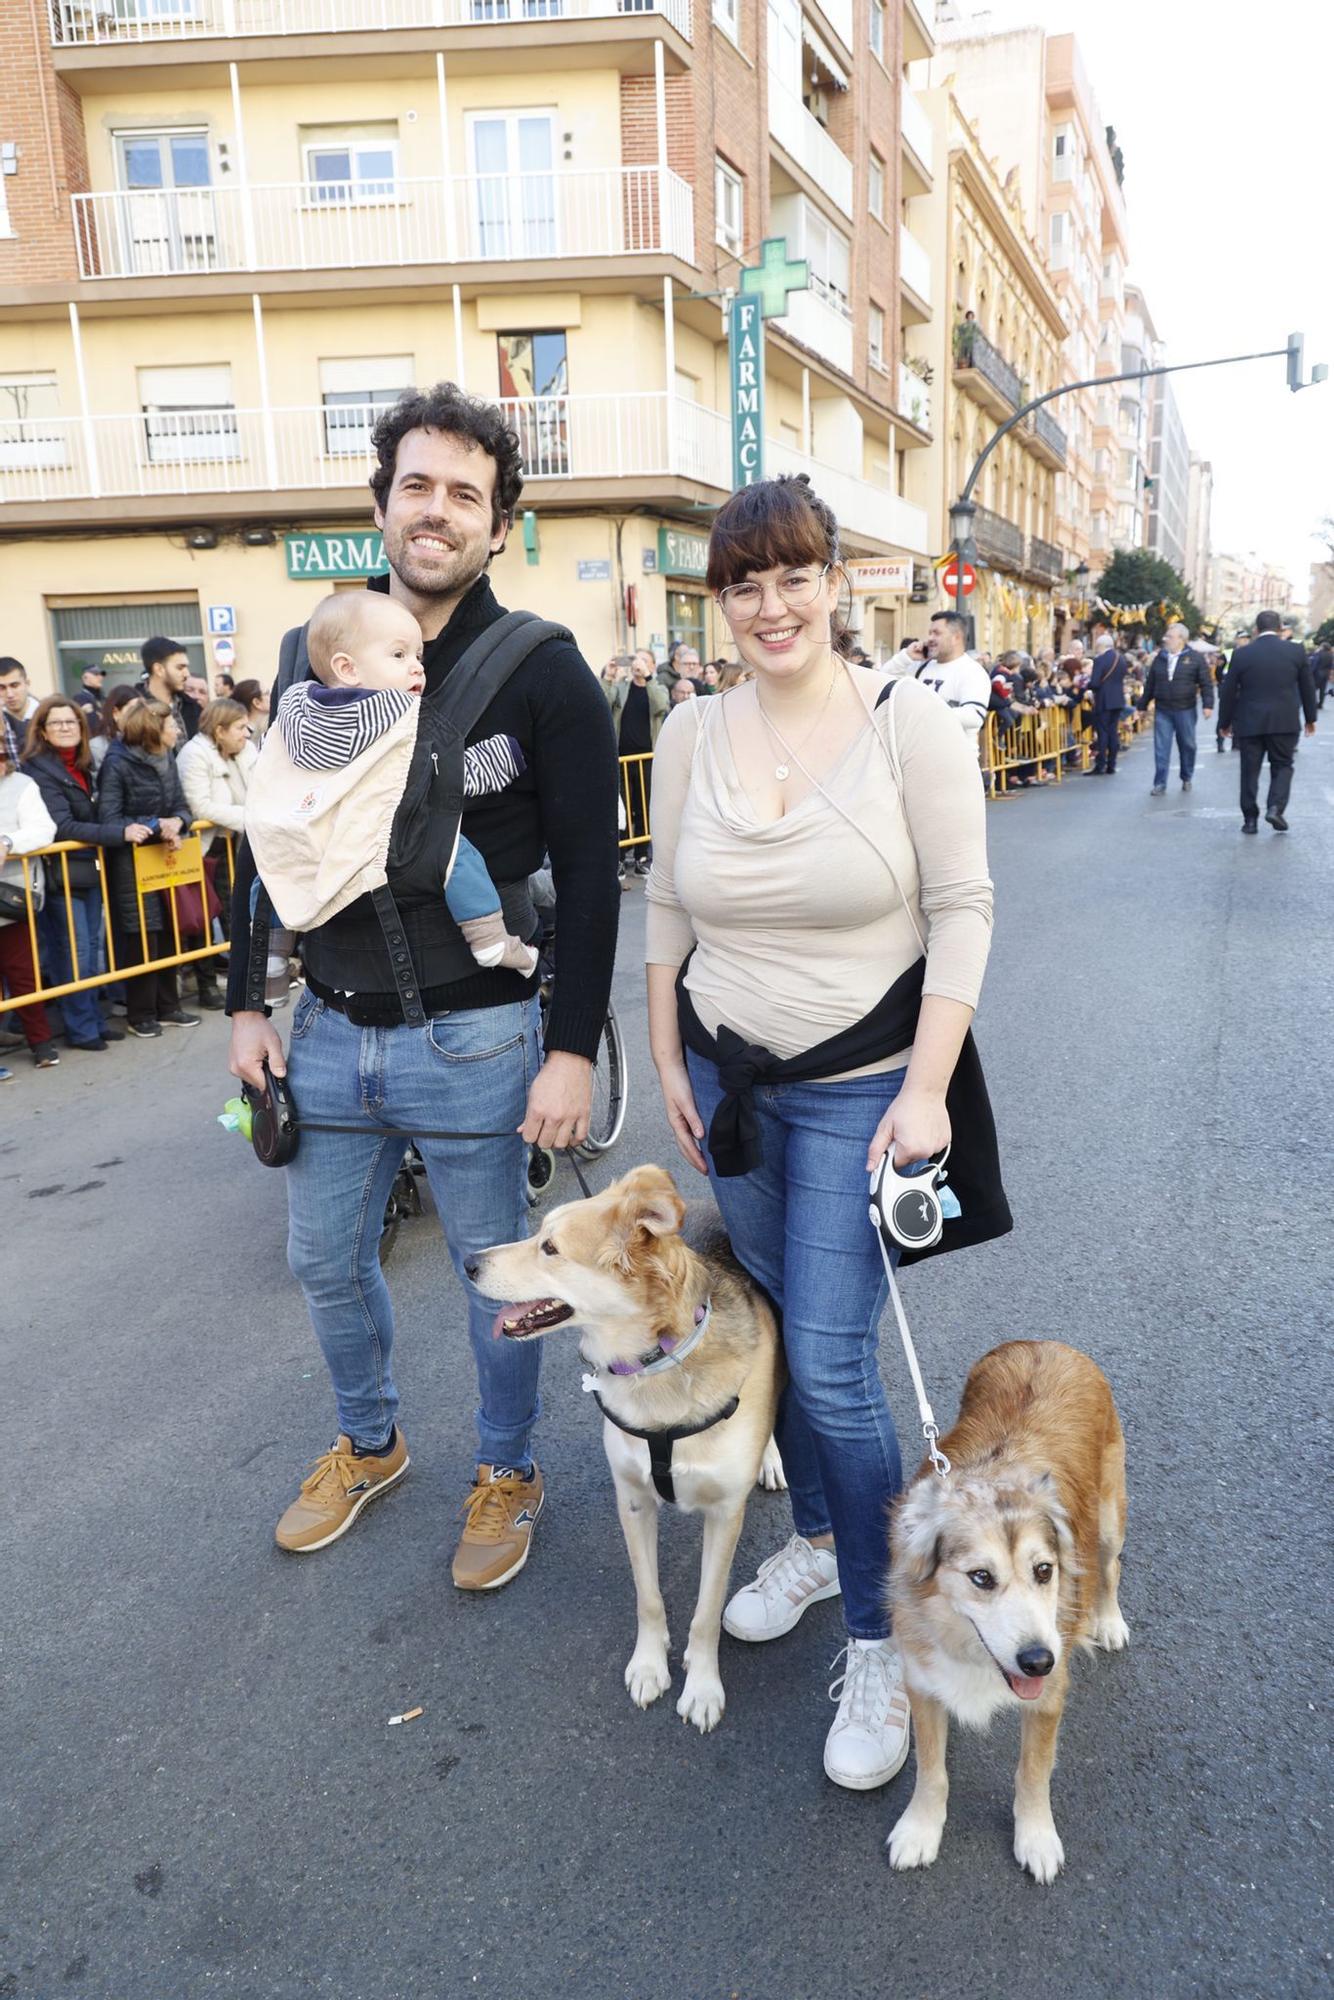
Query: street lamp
(1082, 586)
(965, 551)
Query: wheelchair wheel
(610, 1091)
(541, 1173)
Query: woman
(59, 760)
(255, 701)
(215, 768)
(108, 722)
(811, 828)
(141, 786)
(25, 825)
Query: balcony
(915, 272)
(860, 508)
(999, 543)
(808, 145)
(237, 462)
(1045, 439)
(914, 399)
(822, 322)
(838, 13)
(84, 23)
(1044, 560)
(984, 374)
(915, 131)
(470, 218)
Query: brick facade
(44, 118)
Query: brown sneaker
(498, 1532)
(339, 1485)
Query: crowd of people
(115, 769)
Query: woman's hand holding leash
(916, 1124)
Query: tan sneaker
(498, 1532)
(339, 1485)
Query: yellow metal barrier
(1051, 740)
(636, 785)
(165, 870)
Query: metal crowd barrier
(187, 868)
(636, 785)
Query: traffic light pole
(965, 507)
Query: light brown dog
(676, 1339)
(1003, 1566)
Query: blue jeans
(80, 1012)
(470, 892)
(799, 1225)
(463, 1072)
(1173, 725)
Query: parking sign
(222, 619)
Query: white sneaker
(868, 1741)
(796, 1577)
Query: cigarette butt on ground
(408, 1715)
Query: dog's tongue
(1027, 1686)
(513, 1314)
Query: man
(1107, 685)
(1269, 687)
(89, 697)
(447, 481)
(687, 664)
(196, 690)
(1322, 665)
(222, 687)
(638, 710)
(17, 704)
(684, 691)
(1172, 679)
(941, 661)
(166, 671)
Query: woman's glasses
(798, 586)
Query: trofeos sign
(877, 579)
(682, 554)
(360, 553)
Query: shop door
(110, 635)
(686, 619)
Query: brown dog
(1003, 1566)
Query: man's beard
(445, 573)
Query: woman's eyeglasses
(799, 586)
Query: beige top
(799, 926)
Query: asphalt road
(199, 1792)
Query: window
(352, 170)
(514, 186)
(875, 336)
(351, 391)
(878, 28)
(166, 207)
(686, 619)
(1063, 153)
(189, 417)
(534, 387)
(875, 187)
(725, 15)
(729, 200)
(31, 435)
(1060, 240)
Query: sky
(1223, 112)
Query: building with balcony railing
(262, 220)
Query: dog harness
(662, 1443)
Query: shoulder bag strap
(483, 670)
(293, 665)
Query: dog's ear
(918, 1535)
(649, 1201)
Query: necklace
(783, 770)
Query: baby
(365, 652)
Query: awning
(819, 47)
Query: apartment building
(1199, 511)
(238, 228)
(1169, 471)
(998, 343)
(1243, 585)
(1029, 97)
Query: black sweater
(564, 805)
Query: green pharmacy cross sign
(764, 293)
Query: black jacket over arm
(1269, 687)
(563, 805)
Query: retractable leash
(906, 1213)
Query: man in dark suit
(1322, 665)
(1107, 685)
(1269, 687)
(1175, 674)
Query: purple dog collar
(669, 1353)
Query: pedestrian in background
(25, 825)
(141, 786)
(1269, 687)
(1107, 685)
(214, 769)
(166, 671)
(18, 704)
(223, 685)
(103, 732)
(254, 700)
(1322, 665)
(92, 683)
(1175, 681)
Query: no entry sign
(949, 579)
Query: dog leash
(930, 1428)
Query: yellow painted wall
(129, 110)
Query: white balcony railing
(805, 138)
(196, 454)
(299, 226)
(914, 398)
(914, 264)
(915, 125)
(76, 23)
(859, 506)
(820, 324)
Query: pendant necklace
(783, 771)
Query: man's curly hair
(446, 408)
